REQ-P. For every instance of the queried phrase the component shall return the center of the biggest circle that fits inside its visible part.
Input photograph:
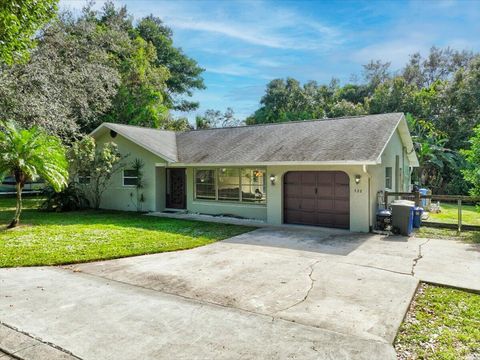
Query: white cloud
(234, 70)
(253, 23)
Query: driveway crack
(312, 282)
(377, 268)
(419, 256)
(39, 342)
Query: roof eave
(126, 136)
(406, 137)
(276, 163)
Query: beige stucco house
(319, 172)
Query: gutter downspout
(370, 225)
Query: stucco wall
(117, 196)
(394, 148)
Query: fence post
(417, 198)
(459, 202)
(385, 199)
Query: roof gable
(159, 142)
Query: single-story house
(318, 172)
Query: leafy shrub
(70, 199)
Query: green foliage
(215, 118)
(19, 20)
(429, 144)
(185, 74)
(140, 97)
(29, 154)
(97, 163)
(472, 156)
(69, 199)
(99, 67)
(69, 81)
(288, 100)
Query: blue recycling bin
(423, 191)
(417, 217)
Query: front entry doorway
(176, 192)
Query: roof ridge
(291, 122)
(139, 127)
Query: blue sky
(245, 44)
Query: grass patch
(442, 323)
(63, 238)
(449, 214)
(441, 233)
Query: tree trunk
(19, 183)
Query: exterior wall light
(273, 178)
(357, 179)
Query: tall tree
(69, 81)
(29, 154)
(472, 155)
(215, 118)
(376, 72)
(185, 74)
(19, 20)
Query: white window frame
(389, 178)
(128, 177)
(216, 185)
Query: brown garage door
(317, 198)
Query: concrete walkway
(267, 294)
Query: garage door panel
(342, 221)
(308, 191)
(325, 190)
(309, 218)
(325, 204)
(293, 177)
(308, 205)
(317, 198)
(308, 178)
(325, 219)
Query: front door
(176, 198)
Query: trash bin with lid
(402, 218)
(417, 217)
(423, 191)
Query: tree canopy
(19, 20)
(29, 154)
(100, 67)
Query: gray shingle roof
(360, 139)
(354, 139)
(160, 142)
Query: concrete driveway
(269, 294)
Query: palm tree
(29, 154)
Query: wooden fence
(417, 198)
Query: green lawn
(449, 214)
(440, 233)
(63, 238)
(442, 323)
